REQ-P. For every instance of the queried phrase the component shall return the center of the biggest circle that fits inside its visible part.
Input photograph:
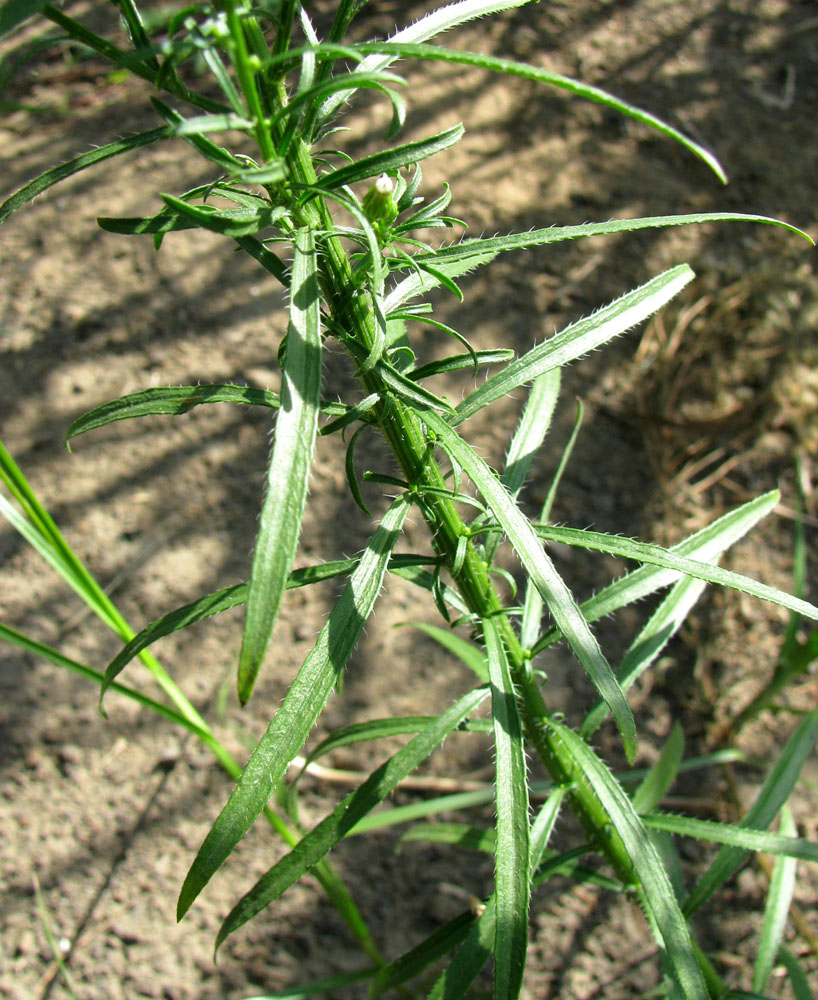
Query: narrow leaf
(742, 837)
(14, 12)
(304, 701)
(661, 776)
(779, 897)
(512, 876)
(391, 160)
(289, 470)
(334, 827)
(531, 430)
(473, 657)
(557, 596)
(775, 791)
(706, 544)
(656, 890)
(56, 174)
(578, 339)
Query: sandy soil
(706, 407)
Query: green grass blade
(304, 701)
(320, 987)
(744, 838)
(59, 173)
(474, 838)
(801, 989)
(473, 657)
(661, 776)
(706, 544)
(644, 552)
(779, 897)
(512, 877)
(391, 160)
(290, 462)
(775, 791)
(475, 951)
(411, 964)
(578, 339)
(656, 890)
(334, 827)
(542, 572)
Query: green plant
(360, 272)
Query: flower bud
(378, 204)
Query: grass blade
(663, 773)
(473, 657)
(801, 989)
(578, 339)
(557, 596)
(775, 791)
(14, 12)
(779, 897)
(334, 827)
(656, 890)
(290, 462)
(295, 718)
(512, 877)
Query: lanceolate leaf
(775, 791)
(301, 707)
(289, 470)
(557, 596)
(334, 827)
(643, 552)
(741, 837)
(391, 159)
(512, 877)
(466, 651)
(579, 338)
(64, 170)
(656, 891)
(703, 545)
(528, 72)
(663, 773)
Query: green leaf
(531, 430)
(775, 791)
(14, 12)
(289, 469)
(474, 249)
(779, 897)
(656, 891)
(438, 21)
(473, 657)
(333, 828)
(421, 282)
(628, 548)
(557, 596)
(168, 401)
(59, 173)
(391, 160)
(736, 836)
(320, 987)
(578, 339)
(512, 876)
(304, 701)
(661, 776)
(705, 544)
(227, 222)
(475, 838)
(798, 981)
(457, 362)
(528, 72)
